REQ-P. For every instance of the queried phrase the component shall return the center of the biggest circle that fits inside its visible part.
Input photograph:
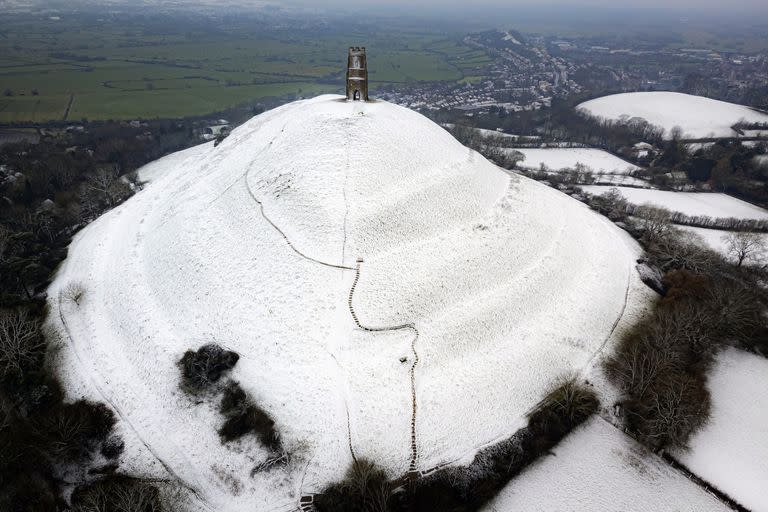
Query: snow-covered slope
(698, 116)
(730, 451)
(255, 244)
(597, 467)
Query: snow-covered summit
(484, 288)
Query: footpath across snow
(510, 284)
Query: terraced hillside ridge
(477, 289)
(698, 117)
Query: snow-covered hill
(699, 117)
(488, 287)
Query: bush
(683, 250)
(244, 417)
(201, 369)
(73, 293)
(75, 432)
(660, 365)
(365, 488)
(36, 448)
(22, 346)
(119, 494)
(566, 406)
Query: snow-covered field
(509, 283)
(597, 467)
(597, 160)
(621, 180)
(699, 117)
(731, 450)
(689, 203)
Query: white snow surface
(699, 117)
(621, 180)
(730, 451)
(555, 159)
(689, 203)
(597, 467)
(510, 284)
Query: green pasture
(138, 71)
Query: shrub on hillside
(683, 250)
(660, 366)
(569, 404)
(119, 494)
(202, 368)
(244, 417)
(75, 432)
(22, 346)
(37, 445)
(365, 488)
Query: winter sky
(752, 5)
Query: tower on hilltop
(357, 74)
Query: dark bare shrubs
(202, 368)
(244, 417)
(661, 364)
(117, 493)
(569, 404)
(365, 488)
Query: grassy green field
(127, 69)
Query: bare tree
(20, 341)
(107, 186)
(677, 410)
(657, 222)
(681, 249)
(120, 494)
(5, 237)
(73, 293)
(745, 246)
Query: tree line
(55, 454)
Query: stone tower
(357, 74)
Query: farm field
(689, 203)
(127, 67)
(597, 467)
(725, 450)
(555, 159)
